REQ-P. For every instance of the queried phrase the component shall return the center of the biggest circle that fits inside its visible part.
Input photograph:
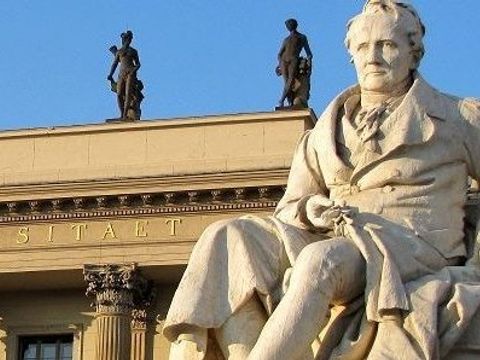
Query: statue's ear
(416, 59)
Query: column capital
(115, 287)
(143, 298)
(139, 319)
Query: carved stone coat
(409, 196)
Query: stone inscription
(89, 232)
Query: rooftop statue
(128, 87)
(296, 70)
(365, 255)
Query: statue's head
(291, 24)
(127, 37)
(386, 44)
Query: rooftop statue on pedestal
(365, 255)
(128, 87)
(296, 70)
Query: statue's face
(290, 25)
(381, 52)
(126, 40)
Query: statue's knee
(310, 259)
(223, 230)
(323, 257)
(217, 226)
(215, 231)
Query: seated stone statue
(365, 255)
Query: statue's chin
(376, 83)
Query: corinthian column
(114, 287)
(142, 300)
(139, 329)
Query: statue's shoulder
(332, 110)
(465, 108)
(450, 107)
(469, 108)
(458, 115)
(133, 50)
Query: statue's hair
(292, 21)
(415, 30)
(127, 34)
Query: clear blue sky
(198, 57)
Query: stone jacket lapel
(412, 123)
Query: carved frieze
(124, 200)
(57, 205)
(101, 202)
(147, 199)
(34, 205)
(12, 207)
(263, 192)
(216, 195)
(192, 196)
(169, 198)
(240, 194)
(139, 204)
(78, 203)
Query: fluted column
(113, 337)
(114, 288)
(139, 329)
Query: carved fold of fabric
(368, 124)
(394, 255)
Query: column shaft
(138, 345)
(113, 337)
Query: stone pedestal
(116, 289)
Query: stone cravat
(368, 123)
(369, 120)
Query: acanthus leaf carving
(115, 287)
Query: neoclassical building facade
(97, 223)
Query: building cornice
(136, 185)
(307, 114)
(142, 204)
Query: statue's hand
(324, 213)
(315, 208)
(328, 218)
(110, 77)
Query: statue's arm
(136, 60)
(470, 112)
(113, 68)
(281, 51)
(470, 135)
(305, 186)
(308, 51)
